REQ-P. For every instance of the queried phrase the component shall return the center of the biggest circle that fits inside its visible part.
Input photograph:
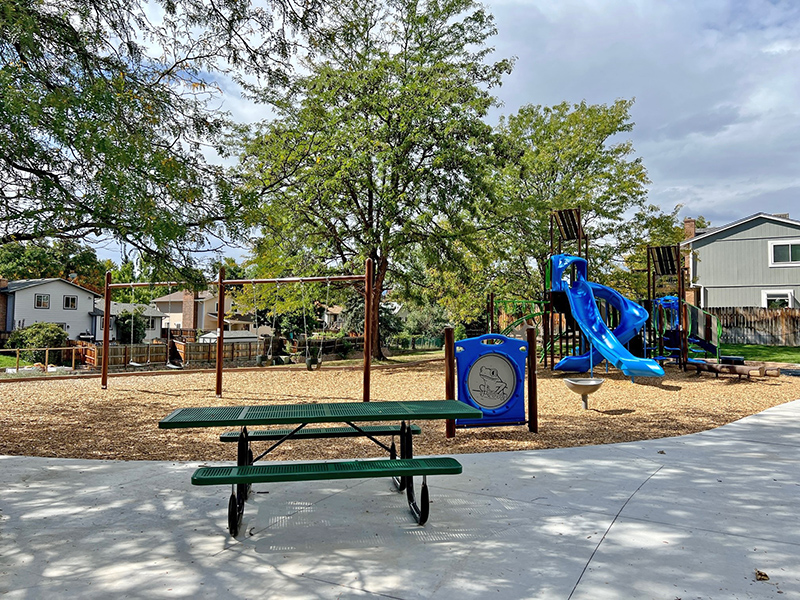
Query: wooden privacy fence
(199, 352)
(750, 325)
(121, 355)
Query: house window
(70, 303)
(784, 253)
(41, 301)
(777, 298)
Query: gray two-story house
(754, 261)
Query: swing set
(312, 362)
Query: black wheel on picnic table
(234, 516)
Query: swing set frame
(367, 278)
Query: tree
(107, 107)
(381, 149)
(127, 319)
(61, 258)
(353, 320)
(570, 157)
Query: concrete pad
(688, 517)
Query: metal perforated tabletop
(281, 414)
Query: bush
(460, 332)
(123, 322)
(39, 335)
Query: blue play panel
(491, 377)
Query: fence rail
(766, 326)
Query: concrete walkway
(689, 517)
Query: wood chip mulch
(77, 419)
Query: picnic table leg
(244, 458)
(422, 510)
(400, 482)
(239, 491)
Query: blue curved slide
(606, 344)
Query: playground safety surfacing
(708, 515)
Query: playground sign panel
(490, 370)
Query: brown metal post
(107, 333)
(369, 275)
(533, 397)
(450, 376)
(221, 329)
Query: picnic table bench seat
(402, 472)
(317, 433)
(313, 471)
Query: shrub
(39, 335)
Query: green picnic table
(352, 415)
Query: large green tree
(382, 149)
(61, 258)
(572, 156)
(106, 107)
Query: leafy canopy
(381, 149)
(107, 106)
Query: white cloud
(717, 108)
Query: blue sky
(716, 83)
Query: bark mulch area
(76, 419)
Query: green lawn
(785, 354)
(9, 359)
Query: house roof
(123, 307)
(230, 335)
(760, 215)
(237, 318)
(178, 296)
(21, 284)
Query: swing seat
(174, 366)
(136, 364)
(311, 362)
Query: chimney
(189, 320)
(689, 228)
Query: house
(155, 319)
(54, 300)
(754, 261)
(198, 310)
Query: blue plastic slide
(605, 344)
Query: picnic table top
(326, 412)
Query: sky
(716, 85)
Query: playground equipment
(221, 283)
(584, 387)
(501, 405)
(604, 344)
(491, 375)
(702, 328)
